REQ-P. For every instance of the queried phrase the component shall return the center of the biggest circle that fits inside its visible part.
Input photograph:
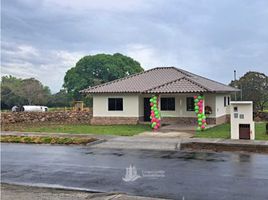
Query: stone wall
(72, 117)
(260, 116)
(114, 120)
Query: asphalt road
(176, 175)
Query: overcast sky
(44, 38)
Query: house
(126, 100)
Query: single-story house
(126, 100)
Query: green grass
(44, 140)
(223, 131)
(122, 130)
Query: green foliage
(254, 86)
(97, 69)
(15, 91)
(60, 99)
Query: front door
(244, 131)
(147, 109)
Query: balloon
(203, 121)
(199, 97)
(201, 101)
(155, 97)
(198, 129)
(199, 123)
(196, 107)
(195, 97)
(204, 117)
(199, 119)
(203, 127)
(199, 115)
(196, 100)
(151, 100)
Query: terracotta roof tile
(161, 80)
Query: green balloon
(151, 100)
(196, 100)
(199, 115)
(198, 129)
(199, 97)
(200, 123)
(156, 112)
(199, 119)
(152, 108)
(196, 111)
(196, 107)
(203, 117)
(155, 97)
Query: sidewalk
(19, 192)
(174, 143)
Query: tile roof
(161, 80)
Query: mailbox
(242, 124)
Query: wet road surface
(176, 175)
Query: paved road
(192, 175)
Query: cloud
(45, 38)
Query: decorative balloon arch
(199, 110)
(155, 113)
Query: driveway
(166, 174)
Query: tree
(97, 69)
(15, 91)
(60, 99)
(9, 92)
(254, 87)
(34, 92)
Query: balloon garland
(201, 118)
(155, 114)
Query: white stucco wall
(246, 109)
(220, 108)
(133, 105)
(130, 106)
(180, 105)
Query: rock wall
(260, 116)
(72, 117)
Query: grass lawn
(223, 131)
(44, 140)
(123, 130)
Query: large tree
(96, 69)
(254, 87)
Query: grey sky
(44, 38)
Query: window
(235, 109)
(225, 102)
(228, 101)
(190, 103)
(115, 104)
(168, 103)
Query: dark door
(244, 131)
(147, 109)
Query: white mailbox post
(242, 124)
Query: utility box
(242, 124)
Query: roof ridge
(119, 79)
(170, 82)
(163, 84)
(185, 71)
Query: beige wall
(133, 105)
(180, 105)
(130, 106)
(247, 110)
(220, 108)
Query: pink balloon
(151, 104)
(203, 127)
(158, 124)
(195, 97)
(201, 101)
(203, 121)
